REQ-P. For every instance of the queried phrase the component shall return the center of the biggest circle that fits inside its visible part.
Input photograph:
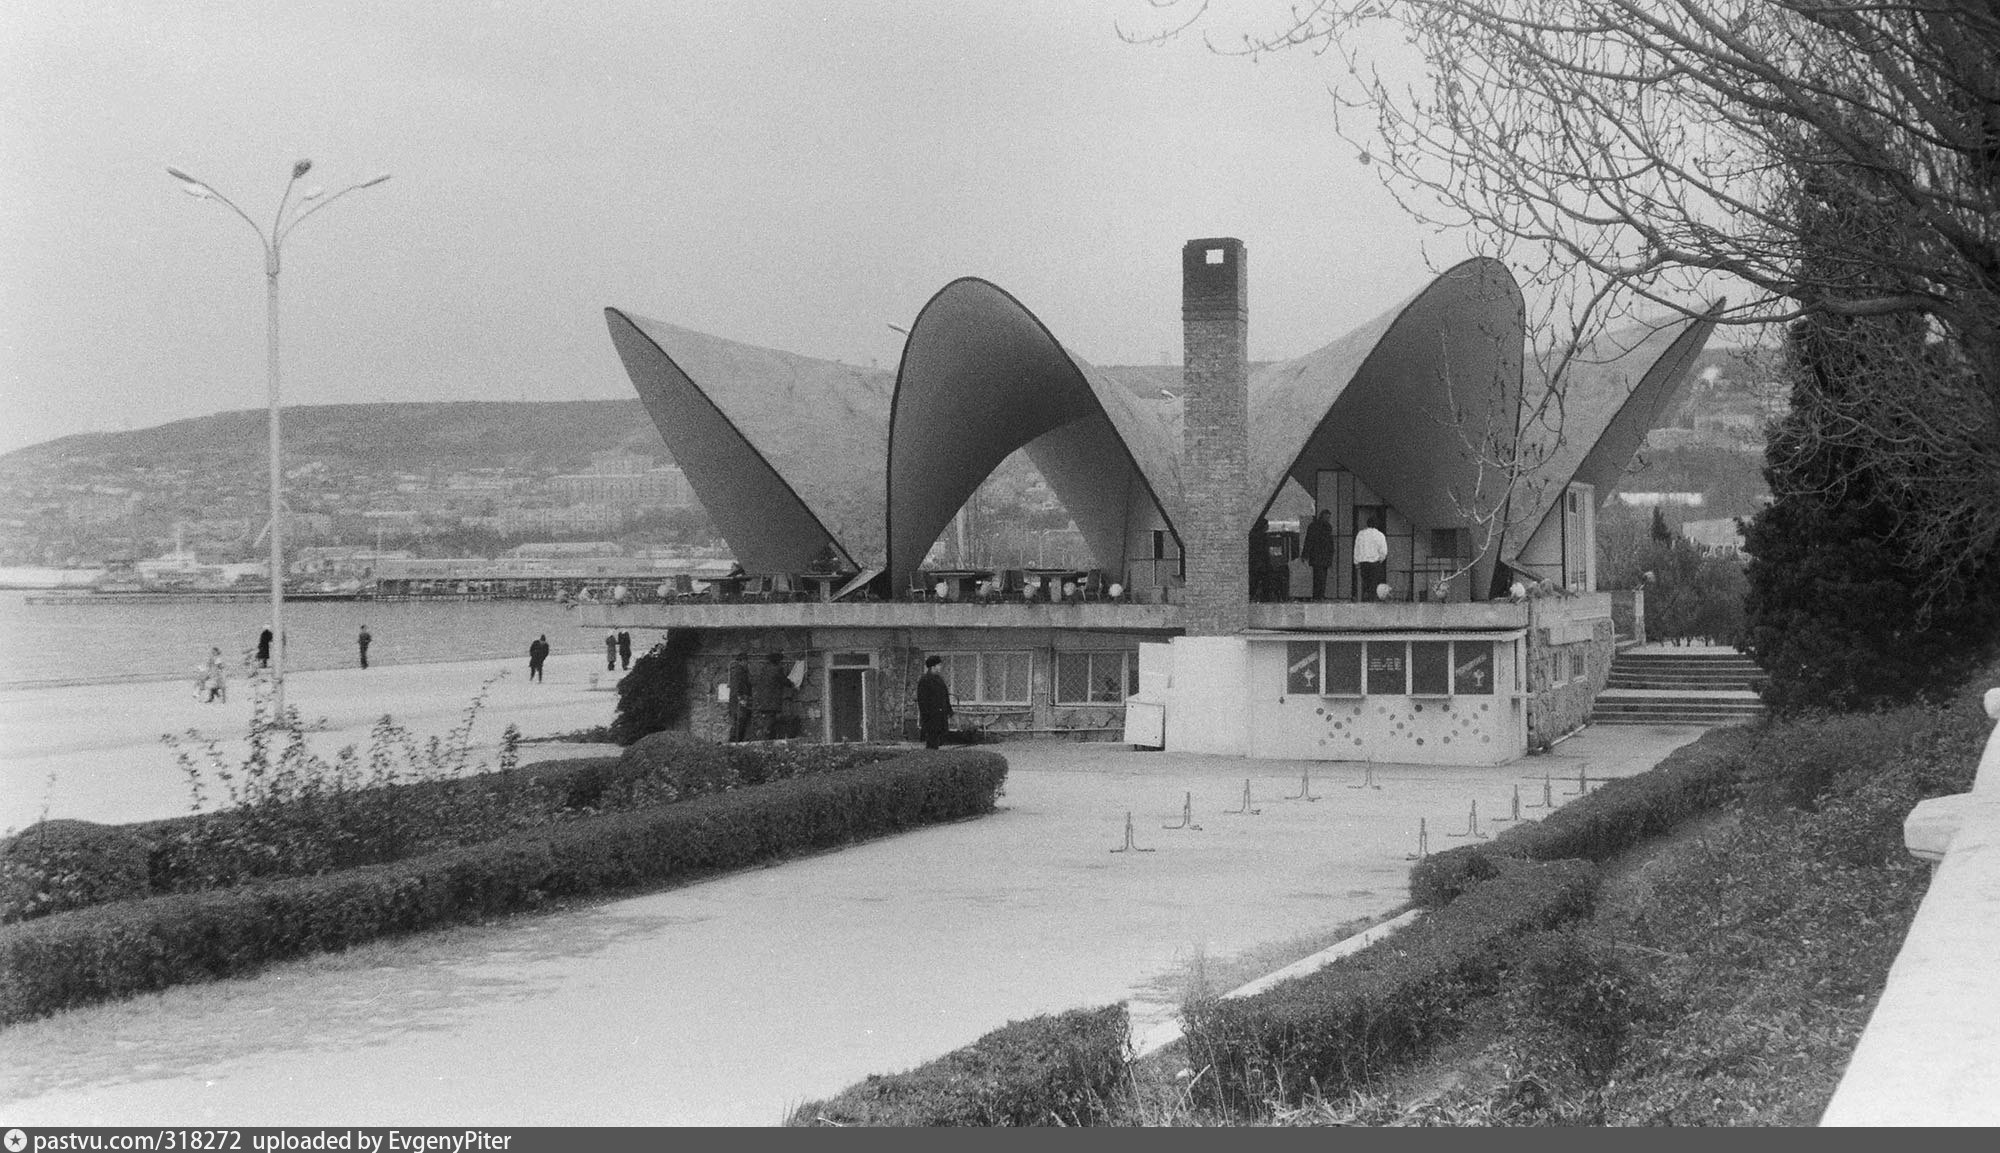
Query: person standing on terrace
(1371, 555)
(1319, 550)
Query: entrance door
(847, 696)
(849, 721)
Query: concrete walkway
(726, 1002)
(94, 752)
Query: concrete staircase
(1695, 687)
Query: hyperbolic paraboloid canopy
(1424, 405)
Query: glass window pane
(1107, 677)
(1388, 668)
(1073, 679)
(1472, 667)
(1006, 680)
(961, 674)
(1343, 669)
(1430, 668)
(1303, 676)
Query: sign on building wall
(1302, 671)
(1474, 672)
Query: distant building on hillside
(1657, 499)
(1716, 533)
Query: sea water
(53, 644)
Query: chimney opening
(1215, 255)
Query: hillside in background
(557, 436)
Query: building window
(1430, 668)
(1472, 667)
(988, 678)
(1578, 664)
(1343, 669)
(1096, 678)
(1388, 668)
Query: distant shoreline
(237, 677)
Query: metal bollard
(1305, 786)
(1246, 809)
(1187, 816)
(1129, 846)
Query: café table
(824, 584)
(1051, 582)
(959, 583)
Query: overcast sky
(793, 175)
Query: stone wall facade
(1569, 663)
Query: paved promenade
(726, 1002)
(94, 751)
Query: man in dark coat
(538, 652)
(1319, 550)
(767, 695)
(365, 640)
(933, 704)
(739, 698)
(1260, 558)
(624, 649)
(264, 649)
(610, 652)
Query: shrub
(689, 765)
(105, 951)
(1573, 1009)
(1438, 879)
(1061, 1070)
(1351, 1021)
(53, 866)
(1619, 814)
(653, 694)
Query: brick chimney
(1215, 323)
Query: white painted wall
(1205, 703)
(1467, 729)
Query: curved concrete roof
(784, 452)
(1615, 392)
(980, 377)
(1402, 402)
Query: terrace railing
(1931, 1052)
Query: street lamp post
(273, 242)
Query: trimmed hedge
(55, 866)
(1061, 1070)
(1351, 1021)
(1617, 815)
(128, 947)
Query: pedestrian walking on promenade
(264, 649)
(365, 639)
(740, 689)
(624, 649)
(933, 704)
(213, 687)
(538, 652)
(610, 652)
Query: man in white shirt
(1371, 559)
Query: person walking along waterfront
(365, 639)
(610, 652)
(264, 649)
(933, 704)
(213, 687)
(624, 648)
(538, 652)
